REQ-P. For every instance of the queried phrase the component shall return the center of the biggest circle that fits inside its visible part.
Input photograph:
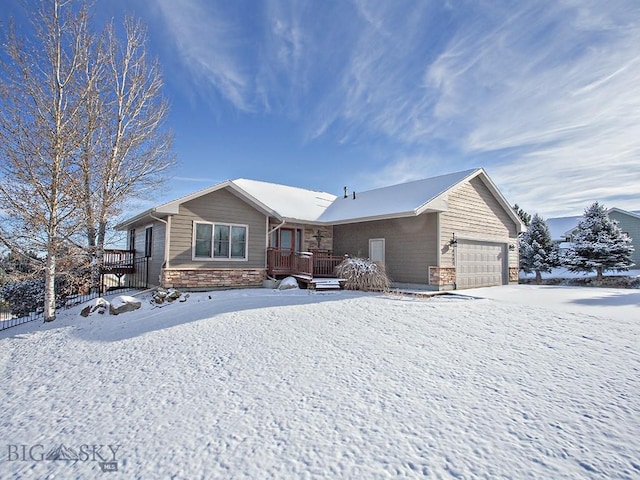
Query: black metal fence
(109, 283)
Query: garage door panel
(480, 264)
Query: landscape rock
(124, 303)
(288, 284)
(173, 295)
(98, 305)
(161, 296)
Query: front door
(287, 239)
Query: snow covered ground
(509, 382)
(562, 272)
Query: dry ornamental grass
(363, 274)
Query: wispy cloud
(559, 90)
(207, 44)
(544, 94)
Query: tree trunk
(538, 277)
(599, 273)
(50, 285)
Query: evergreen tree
(524, 216)
(599, 244)
(537, 252)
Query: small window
(132, 239)
(219, 241)
(148, 241)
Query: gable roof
(296, 204)
(292, 203)
(560, 227)
(401, 200)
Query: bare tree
(126, 146)
(40, 112)
(82, 131)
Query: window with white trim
(218, 241)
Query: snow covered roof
(293, 203)
(308, 206)
(404, 199)
(560, 227)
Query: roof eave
(431, 203)
(624, 212)
(389, 216)
(125, 224)
(173, 207)
(520, 226)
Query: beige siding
(473, 212)
(410, 244)
(630, 225)
(156, 260)
(223, 207)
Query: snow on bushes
(27, 296)
(363, 274)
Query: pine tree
(537, 252)
(599, 244)
(524, 216)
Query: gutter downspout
(277, 227)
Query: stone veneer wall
(442, 276)
(513, 274)
(207, 278)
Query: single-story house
(563, 228)
(450, 231)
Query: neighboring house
(450, 231)
(563, 228)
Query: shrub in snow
(537, 252)
(598, 244)
(288, 283)
(27, 296)
(363, 274)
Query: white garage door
(480, 264)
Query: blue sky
(545, 95)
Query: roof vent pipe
(346, 192)
(354, 195)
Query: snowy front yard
(266, 384)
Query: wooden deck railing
(286, 262)
(303, 264)
(324, 264)
(279, 261)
